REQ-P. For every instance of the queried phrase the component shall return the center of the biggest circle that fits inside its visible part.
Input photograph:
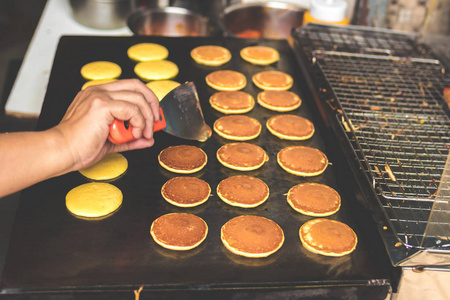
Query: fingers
(137, 86)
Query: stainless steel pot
(102, 14)
(261, 20)
(168, 21)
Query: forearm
(29, 157)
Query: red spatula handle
(120, 131)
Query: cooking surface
(52, 250)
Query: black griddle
(52, 251)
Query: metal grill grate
(389, 92)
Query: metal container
(102, 14)
(168, 21)
(261, 20)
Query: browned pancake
(252, 236)
(211, 55)
(314, 199)
(237, 127)
(260, 55)
(243, 191)
(186, 191)
(179, 231)
(182, 159)
(302, 161)
(328, 237)
(279, 100)
(242, 156)
(232, 102)
(226, 80)
(290, 127)
(273, 80)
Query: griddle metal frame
(386, 92)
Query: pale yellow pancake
(97, 70)
(260, 55)
(162, 87)
(111, 166)
(252, 236)
(94, 200)
(96, 82)
(179, 231)
(147, 52)
(156, 70)
(211, 55)
(328, 237)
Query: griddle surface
(52, 250)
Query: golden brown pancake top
(232, 100)
(242, 154)
(314, 197)
(179, 229)
(260, 52)
(238, 126)
(243, 189)
(252, 234)
(279, 98)
(291, 125)
(303, 159)
(186, 190)
(211, 53)
(226, 78)
(273, 78)
(328, 236)
(183, 157)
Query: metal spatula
(180, 115)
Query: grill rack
(390, 106)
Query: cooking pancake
(242, 156)
(328, 237)
(182, 159)
(302, 161)
(243, 191)
(179, 231)
(96, 82)
(94, 200)
(226, 80)
(252, 236)
(186, 191)
(314, 199)
(111, 166)
(290, 127)
(279, 100)
(237, 127)
(260, 55)
(98, 70)
(156, 70)
(162, 87)
(232, 102)
(273, 80)
(147, 52)
(211, 55)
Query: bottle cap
(328, 10)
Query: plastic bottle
(328, 12)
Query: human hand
(85, 126)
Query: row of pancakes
(250, 236)
(246, 235)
